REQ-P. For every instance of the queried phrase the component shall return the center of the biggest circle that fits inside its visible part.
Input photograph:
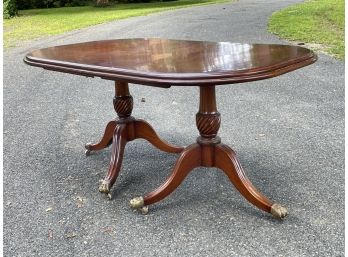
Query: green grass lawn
(316, 22)
(37, 23)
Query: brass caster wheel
(88, 153)
(87, 146)
(279, 211)
(104, 187)
(144, 210)
(137, 203)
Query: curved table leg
(226, 160)
(118, 145)
(189, 159)
(144, 130)
(105, 141)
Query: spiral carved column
(123, 101)
(208, 118)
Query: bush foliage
(10, 8)
(34, 4)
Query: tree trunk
(102, 3)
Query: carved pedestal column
(123, 101)
(208, 121)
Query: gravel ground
(51, 202)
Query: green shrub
(33, 4)
(24, 4)
(10, 8)
(76, 3)
(136, 1)
(56, 4)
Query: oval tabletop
(165, 62)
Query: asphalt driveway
(288, 132)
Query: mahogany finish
(122, 130)
(209, 152)
(166, 63)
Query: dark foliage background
(32, 4)
(10, 8)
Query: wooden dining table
(164, 63)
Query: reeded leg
(105, 141)
(226, 160)
(144, 130)
(118, 145)
(189, 159)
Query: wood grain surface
(165, 62)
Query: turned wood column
(123, 101)
(208, 123)
(208, 118)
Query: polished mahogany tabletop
(165, 62)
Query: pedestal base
(210, 152)
(211, 155)
(118, 133)
(122, 130)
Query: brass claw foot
(137, 203)
(279, 211)
(104, 187)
